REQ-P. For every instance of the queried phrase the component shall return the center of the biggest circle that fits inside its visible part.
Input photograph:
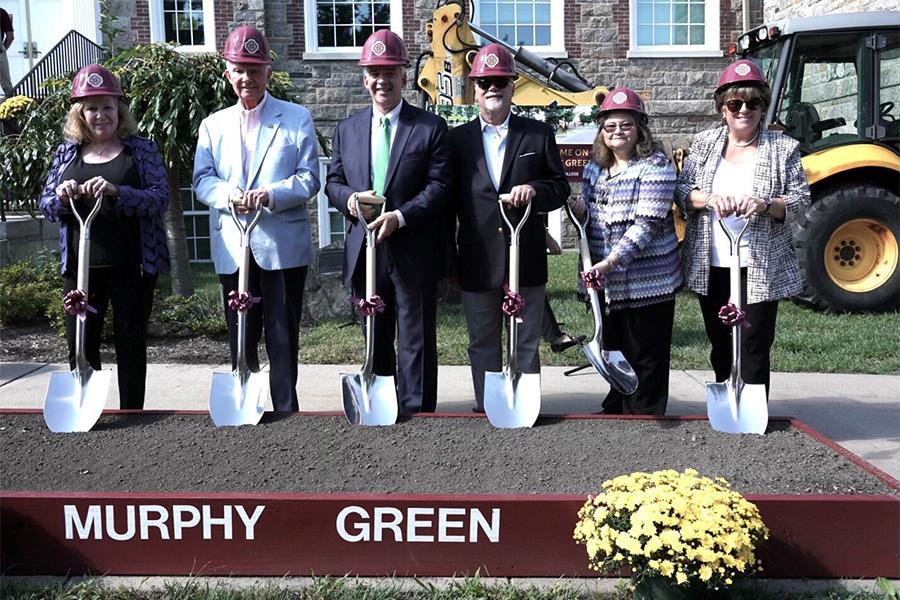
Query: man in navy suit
(400, 152)
(260, 154)
(500, 153)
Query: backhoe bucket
(369, 402)
(238, 400)
(512, 399)
(737, 410)
(75, 400)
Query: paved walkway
(860, 412)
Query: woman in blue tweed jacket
(741, 170)
(102, 156)
(627, 193)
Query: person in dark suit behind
(499, 153)
(400, 152)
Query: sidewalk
(860, 412)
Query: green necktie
(382, 156)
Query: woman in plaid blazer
(741, 170)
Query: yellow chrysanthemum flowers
(15, 106)
(681, 526)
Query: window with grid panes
(188, 24)
(196, 226)
(341, 26)
(674, 27)
(536, 24)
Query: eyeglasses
(610, 127)
(735, 104)
(485, 83)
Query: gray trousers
(5, 82)
(485, 319)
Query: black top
(115, 238)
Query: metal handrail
(70, 54)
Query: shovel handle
(514, 241)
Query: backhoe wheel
(848, 251)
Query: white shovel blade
(75, 402)
(512, 401)
(374, 404)
(233, 403)
(745, 411)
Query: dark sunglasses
(485, 83)
(623, 127)
(735, 104)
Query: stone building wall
(785, 9)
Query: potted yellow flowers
(679, 534)
(11, 110)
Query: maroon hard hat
(493, 61)
(623, 98)
(741, 71)
(384, 48)
(247, 44)
(94, 80)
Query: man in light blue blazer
(260, 154)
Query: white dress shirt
(493, 138)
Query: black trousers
(130, 291)
(410, 317)
(756, 340)
(644, 336)
(278, 312)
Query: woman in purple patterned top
(627, 192)
(101, 157)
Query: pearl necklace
(747, 143)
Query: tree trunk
(176, 240)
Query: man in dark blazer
(400, 152)
(499, 153)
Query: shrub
(31, 290)
(199, 313)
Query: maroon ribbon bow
(374, 305)
(241, 301)
(75, 303)
(513, 304)
(731, 315)
(593, 279)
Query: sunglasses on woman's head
(485, 83)
(735, 104)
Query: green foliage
(25, 158)
(107, 26)
(199, 313)
(31, 290)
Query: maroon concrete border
(812, 536)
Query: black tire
(845, 277)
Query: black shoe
(564, 342)
(478, 411)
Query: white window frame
(157, 28)
(710, 48)
(325, 210)
(557, 46)
(196, 213)
(314, 52)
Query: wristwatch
(768, 203)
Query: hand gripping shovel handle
(513, 274)
(370, 286)
(243, 284)
(734, 273)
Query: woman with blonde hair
(737, 171)
(103, 160)
(627, 195)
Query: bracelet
(706, 200)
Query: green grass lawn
(331, 588)
(806, 340)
